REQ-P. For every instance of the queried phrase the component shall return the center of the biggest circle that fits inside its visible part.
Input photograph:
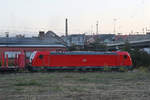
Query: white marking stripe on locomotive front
(32, 56)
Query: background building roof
(49, 38)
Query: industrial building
(13, 46)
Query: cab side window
(125, 56)
(41, 56)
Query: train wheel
(31, 69)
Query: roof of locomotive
(82, 53)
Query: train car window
(40, 56)
(125, 56)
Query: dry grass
(75, 86)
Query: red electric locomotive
(80, 59)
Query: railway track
(17, 70)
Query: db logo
(84, 60)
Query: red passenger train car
(80, 59)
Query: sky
(31, 16)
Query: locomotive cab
(124, 59)
(39, 58)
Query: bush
(123, 69)
(143, 69)
(139, 57)
(107, 68)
